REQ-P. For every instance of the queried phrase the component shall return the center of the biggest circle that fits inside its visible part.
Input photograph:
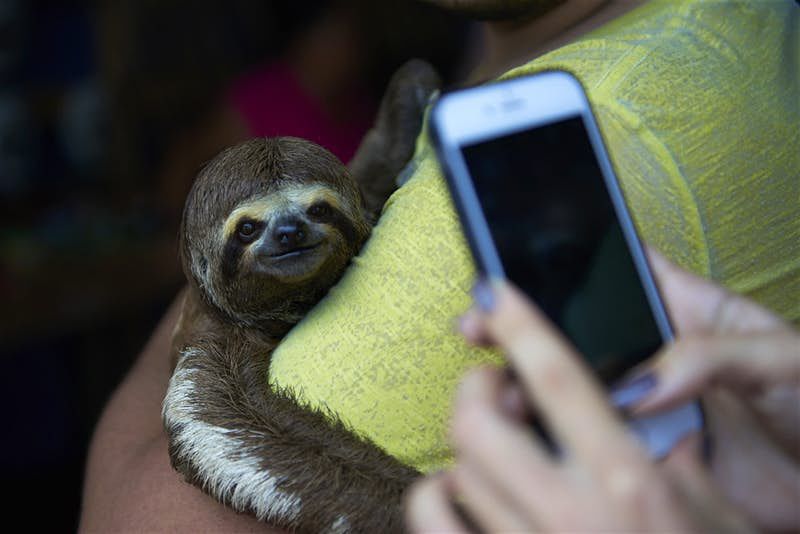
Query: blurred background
(107, 111)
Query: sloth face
(284, 249)
(291, 235)
(273, 252)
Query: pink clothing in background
(271, 102)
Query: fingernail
(470, 329)
(632, 391)
(484, 296)
(463, 326)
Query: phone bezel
(502, 108)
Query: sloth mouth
(293, 253)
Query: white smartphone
(540, 204)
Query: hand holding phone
(505, 479)
(540, 205)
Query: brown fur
(236, 312)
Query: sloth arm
(389, 145)
(129, 484)
(295, 466)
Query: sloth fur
(268, 227)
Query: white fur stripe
(340, 526)
(225, 463)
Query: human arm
(129, 484)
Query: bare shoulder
(129, 484)
(149, 496)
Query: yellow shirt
(698, 103)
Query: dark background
(107, 110)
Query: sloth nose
(289, 233)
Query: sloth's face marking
(290, 244)
(302, 197)
(289, 235)
(276, 221)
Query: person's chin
(498, 10)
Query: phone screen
(559, 239)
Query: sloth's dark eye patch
(319, 210)
(247, 231)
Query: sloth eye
(247, 231)
(320, 209)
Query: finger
(697, 305)
(485, 505)
(487, 402)
(428, 507)
(744, 363)
(698, 491)
(692, 301)
(685, 457)
(565, 393)
(472, 328)
(504, 451)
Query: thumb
(697, 305)
(683, 370)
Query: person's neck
(508, 44)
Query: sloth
(268, 227)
